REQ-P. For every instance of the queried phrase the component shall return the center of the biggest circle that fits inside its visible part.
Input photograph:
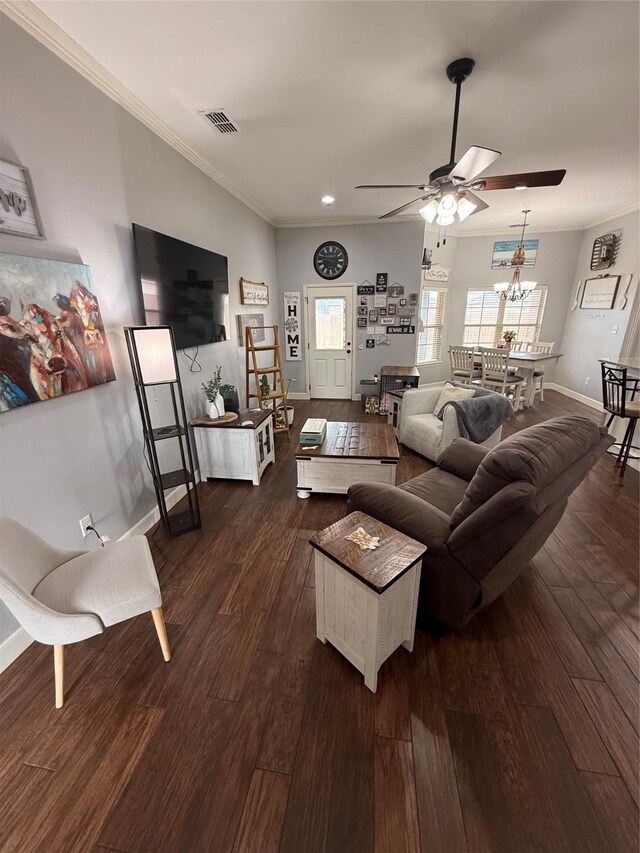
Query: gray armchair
(61, 597)
(484, 515)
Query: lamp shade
(153, 349)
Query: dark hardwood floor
(518, 734)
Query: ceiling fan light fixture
(465, 208)
(327, 199)
(429, 211)
(448, 205)
(445, 220)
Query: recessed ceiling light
(520, 187)
(327, 199)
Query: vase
(216, 407)
(507, 345)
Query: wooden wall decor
(605, 249)
(19, 213)
(253, 292)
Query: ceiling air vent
(221, 120)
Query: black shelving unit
(184, 521)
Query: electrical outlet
(587, 380)
(85, 523)
(614, 330)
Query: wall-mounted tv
(183, 286)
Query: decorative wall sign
(253, 320)
(382, 312)
(380, 300)
(392, 309)
(362, 322)
(253, 292)
(371, 330)
(405, 321)
(396, 290)
(366, 288)
(382, 279)
(413, 299)
(362, 310)
(388, 321)
(379, 330)
(605, 249)
(371, 342)
(52, 337)
(18, 208)
(402, 303)
(401, 330)
(503, 252)
(436, 273)
(292, 326)
(600, 292)
(373, 315)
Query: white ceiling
(332, 94)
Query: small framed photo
(413, 299)
(396, 290)
(392, 309)
(253, 292)
(362, 322)
(364, 300)
(403, 302)
(600, 292)
(362, 310)
(380, 300)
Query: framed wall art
(255, 321)
(600, 292)
(19, 213)
(52, 337)
(253, 292)
(503, 251)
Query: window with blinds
(487, 317)
(432, 306)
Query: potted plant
(508, 336)
(212, 392)
(290, 410)
(264, 385)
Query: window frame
(442, 293)
(499, 326)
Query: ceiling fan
(450, 190)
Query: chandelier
(515, 289)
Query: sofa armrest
(419, 401)
(403, 511)
(462, 458)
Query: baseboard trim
(298, 395)
(13, 647)
(19, 641)
(575, 395)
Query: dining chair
(496, 375)
(616, 386)
(61, 597)
(538, 373)
(463, 368)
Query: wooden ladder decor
(277, 396)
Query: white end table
(236, 450)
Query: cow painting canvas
(52, 338)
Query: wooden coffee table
(350, 453)
(366, 600)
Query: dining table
(526, 364)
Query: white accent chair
(463, 368)
(422, 431)
(497, 375)
(61, 597)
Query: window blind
(429, 339)
(487, 316)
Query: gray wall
(96, 169)
(394, 248)
(586, 339)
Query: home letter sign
(293, 342)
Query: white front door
(330, 351)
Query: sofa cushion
(423, 434)
(439, 488)
(452, 392)
(536, 455)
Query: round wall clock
(330, 260)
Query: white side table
(366, 601)
(232, 451)
(395, 411)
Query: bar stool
(615, 387)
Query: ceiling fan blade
(392, 187)
(474, 161)
(405, 206)
(474, 199)
(525, 179)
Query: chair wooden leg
(58, 666)
(542, 389)
(158, 621)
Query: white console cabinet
(233, 451)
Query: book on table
(314, 431)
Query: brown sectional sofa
(484, 515)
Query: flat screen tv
(183, 286)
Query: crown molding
(624, 211)
(43, 29)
